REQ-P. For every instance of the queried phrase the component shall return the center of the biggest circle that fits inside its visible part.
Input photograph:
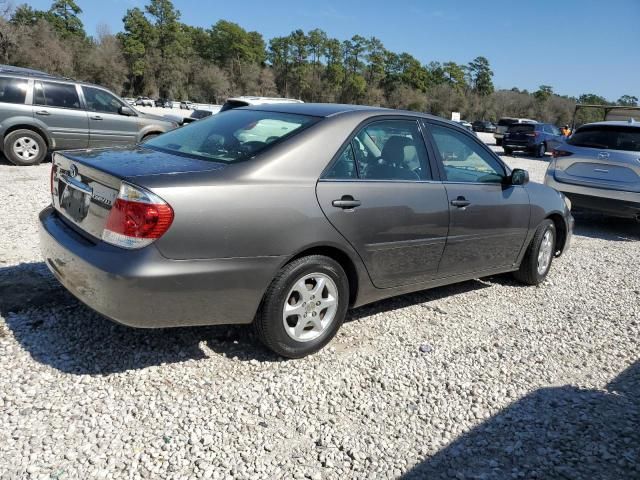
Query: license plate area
(75, 198)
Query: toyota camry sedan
(287, 215)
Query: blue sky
(577, 46)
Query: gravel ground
(485, 379)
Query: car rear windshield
(231, 136)
(521, 128)
(504, 122)
(614, 137)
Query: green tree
(481, 76)
(137, 39)
(63, 16)
(628, 100)
(543, 93)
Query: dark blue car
(535, 138)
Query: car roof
(323, 109)
(253, 100)
(615, 123)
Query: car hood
(161, 118)
(131, 162)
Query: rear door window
(13, 90)
(614, 137)
(53, 94)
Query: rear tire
(508, 151)
(498, 142)
(539, 255)
(25, 147)
(303, 307)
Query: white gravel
(510, 382)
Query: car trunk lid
(85, 184)
(610, 169)
(588, 159)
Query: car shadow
(560, 432)
(59, 331)
(595, 225)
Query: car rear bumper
(518, 145)
(141, 288)
(612, 202)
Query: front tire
(303, 307)
(539, 255)
(24, 147)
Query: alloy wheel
(26, 148)
(310, 307)
(545, 252)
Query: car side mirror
(126, 111)
(519, 177)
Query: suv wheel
(498, 142)
(303, 307)
(24, 147)
(537, 260)
(508, 151)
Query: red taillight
(137, 218)
(561, 153)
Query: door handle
(346, 202)
(96, 117)
(42, 112)
(460, 202)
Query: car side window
(52, 94)
(13, 90)
(100, 101)
(344, 167)
(555, 130)
(391, 150)
(463, 159)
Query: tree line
(157, 55)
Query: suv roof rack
(30, 72)
(633, 112)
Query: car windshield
(614, 137)
(232, 136)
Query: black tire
(498, 141)
(528, 272)
(269, 323)
(15, 158)
(508, 151)
(541, 150)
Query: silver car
(41, 113)
(598, 168)
(286, 215)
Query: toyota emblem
(73, 170)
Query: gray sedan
(286, 216)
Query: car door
(58, 105)
(108, 125)
(489, 218)
(380, 194)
